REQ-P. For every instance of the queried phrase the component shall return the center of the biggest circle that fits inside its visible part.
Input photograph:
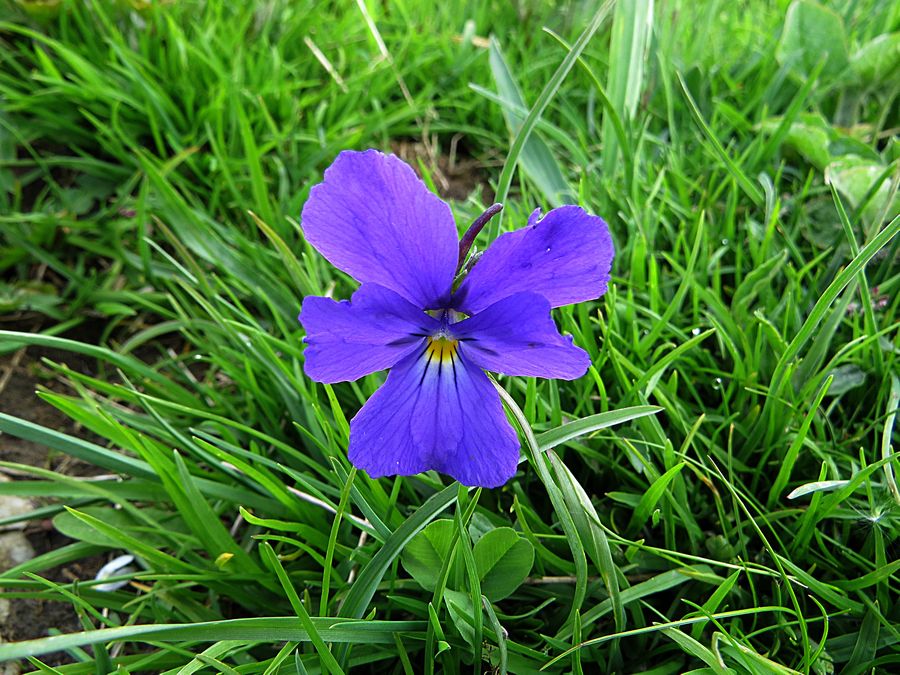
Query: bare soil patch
(21, 374)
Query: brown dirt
(31, 619)
(456, 174)
(21, 373)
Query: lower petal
(436, 411)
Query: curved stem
(477, 226)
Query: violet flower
(374, 219)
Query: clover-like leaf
(877, 60)
(813, 32)
(425, 554)
(503, 560)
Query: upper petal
(565, 256)
(374, 219)
(371, 331)
(517, 336)
(441, 414)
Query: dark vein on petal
(425, 370)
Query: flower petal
(435, 413)
(517, 336)
(372, 331)
(375, 220)
(565, 256)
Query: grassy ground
(717, 495)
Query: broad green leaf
(818, 141)
(812, 32)
(846, 377)
(856, 177)
(366, 583)
(503, 560)
(877, 60)
(811, 142)
(809, 136)
(459, 605)
(426, 552)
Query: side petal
(435, 413)
(517, 336)
(372, 331)
(374, 219)
(565, 256)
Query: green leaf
(812, 141)
(816, 486)
(866, 645)
(809, 135)
(587, 425)
(856, 178)
(875, 576)
(594, 542)
(136, 542)
(76, 528)
(366, 583)
(631, 36)
(693, 647)
(846, 377)
(547, 94)
(115, 309)
(813, 321)
(536, 159)
(818, 141)
(503, 560)
(877, 60)
(328, 660)
(757, 282)
(261, 629)
(812, 32)
(425, 554)
(459, 605)
(652, 496)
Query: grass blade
(546, 96)
(631, 34)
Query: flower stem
(469, 237)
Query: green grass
(717, 495)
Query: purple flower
(375, 220)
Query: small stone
(11, 506)
(15, 549)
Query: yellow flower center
(441, 349)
